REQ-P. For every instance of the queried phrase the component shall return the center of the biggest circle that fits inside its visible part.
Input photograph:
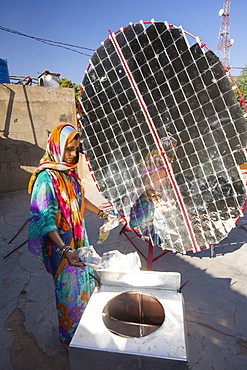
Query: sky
(86, 23)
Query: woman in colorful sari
(57, 229)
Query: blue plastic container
(4, 72)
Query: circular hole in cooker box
(133, 314)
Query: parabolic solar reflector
(164, 135)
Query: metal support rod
(150, 255)
(18, 231)
(149, 258)
(19, 246)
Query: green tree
(64, 82)
(241, 81)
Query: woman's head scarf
(53, 157)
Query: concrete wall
(27, 113)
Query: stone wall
(27, 115)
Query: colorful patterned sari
(57, 203)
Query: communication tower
(224, 42)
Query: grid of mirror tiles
(188, 95)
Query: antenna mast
(224, 42)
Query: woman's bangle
(62, 251)
(65, 251)
(103, 215)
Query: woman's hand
(73, 259)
